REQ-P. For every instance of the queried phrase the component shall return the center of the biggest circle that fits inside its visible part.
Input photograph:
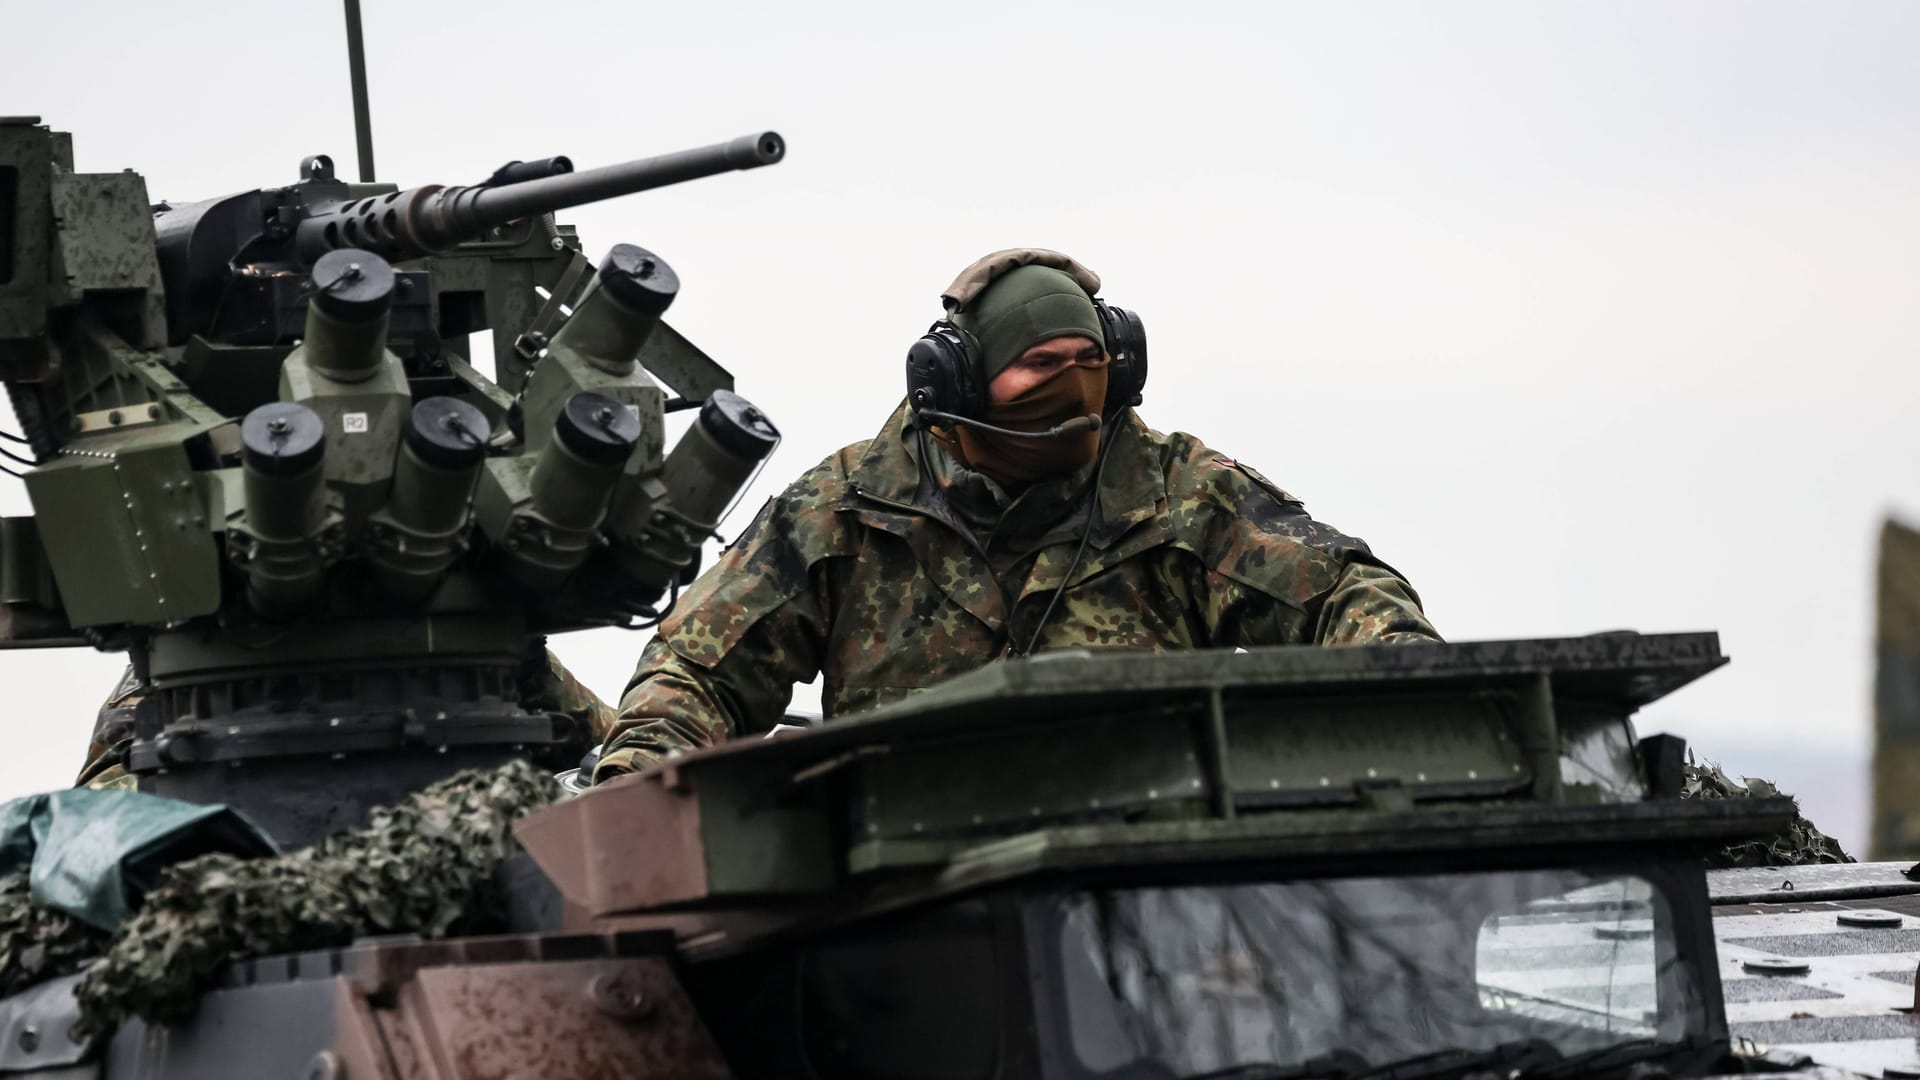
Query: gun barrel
(498, 205)
(423, 220)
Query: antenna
(357, 69)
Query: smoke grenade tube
(705, 472)
(569, 489)
(632, 290)
(283, 447)
(575, 475)
(716, 457)
(346, 336)
(439, 462)
(428, 503)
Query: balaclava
(1011, 301)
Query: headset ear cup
(1127, 346)
(923, 375)
(969, 386)
(942, 374)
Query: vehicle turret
(265, 465)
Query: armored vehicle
(1445, 860)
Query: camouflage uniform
(112, 731)
(888, 578)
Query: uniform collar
(1133, 487)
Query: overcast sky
(1586, 316)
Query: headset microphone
(1076, 426)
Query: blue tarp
(93, 854)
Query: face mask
(1075, 390)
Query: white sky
(1587, 316)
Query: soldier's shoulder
(1246, 525)
(804, 514)
(825, 484)
(1200, 475)
(767, 564)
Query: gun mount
(265, 467)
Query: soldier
(1013, 504)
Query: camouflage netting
(424, 866)
(1800, 844)
(38, 943)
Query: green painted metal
(364, 420)
(30, 612)
(26, 158)
(1041, 772)
(681, 365)
(127, 530)
(1896, 696)
(1283, 750)
(497, 637)
(1304, 836)
(597, 351)
(490, 284)
(106, 244)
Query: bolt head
(325, 1065)
(619, 997)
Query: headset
(946, 380)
